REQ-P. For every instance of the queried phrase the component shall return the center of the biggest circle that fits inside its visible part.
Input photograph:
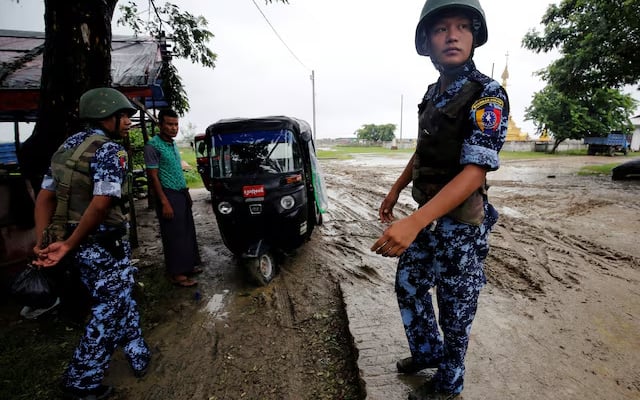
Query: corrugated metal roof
(135, 63)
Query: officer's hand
(397, 237)
(386, 208)
(52, 254)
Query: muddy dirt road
(559, 319)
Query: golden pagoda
(544, 136)
(513, 132)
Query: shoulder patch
(122, 157)
(487, 100)
(488, 113)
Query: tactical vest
(72, 172)
(437, 161)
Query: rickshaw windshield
(255, 152)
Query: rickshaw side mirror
(305, 136)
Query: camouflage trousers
(115, 320)
(449, 258)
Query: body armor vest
(72, 172)
(437, 161)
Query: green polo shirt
(165, 157)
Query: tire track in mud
(531, 260)
(560, 305)
(527, 256)
(351, 225)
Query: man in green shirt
(173, 202)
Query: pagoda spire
(505, 73)
(513, 132)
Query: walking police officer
(81, 214)
(462, 127)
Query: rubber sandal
(183, 281)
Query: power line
(278, 35)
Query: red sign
(253, 191)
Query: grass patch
(194, 181)
(34, 355)
(347, 152)
(604, 169)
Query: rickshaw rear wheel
(262, 268)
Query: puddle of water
(373, 160)
(510, 212)
(215, 304)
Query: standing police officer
(80, 213)
(462, 127)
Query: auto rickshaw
(267, 189)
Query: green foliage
(188, 32)
(188, 35)
(599, 42)
(574, 117)
(173, 90)
(376, 133)
(136, 143)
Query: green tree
(187, 38)
(376, 133)
(599, 43)
(571, 117)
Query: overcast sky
(361, 51)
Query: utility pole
(313, 101)
(401, 107)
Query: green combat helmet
(101, 103)
(433, 7)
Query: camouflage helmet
(432, 8)
(103, 102)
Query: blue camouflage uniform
(450, 256)
(109, 277)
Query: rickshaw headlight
(225, 208)
(287, 202)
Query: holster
(112, 241)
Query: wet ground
(559, 317)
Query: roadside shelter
(136, 63)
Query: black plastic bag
(33, 288)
